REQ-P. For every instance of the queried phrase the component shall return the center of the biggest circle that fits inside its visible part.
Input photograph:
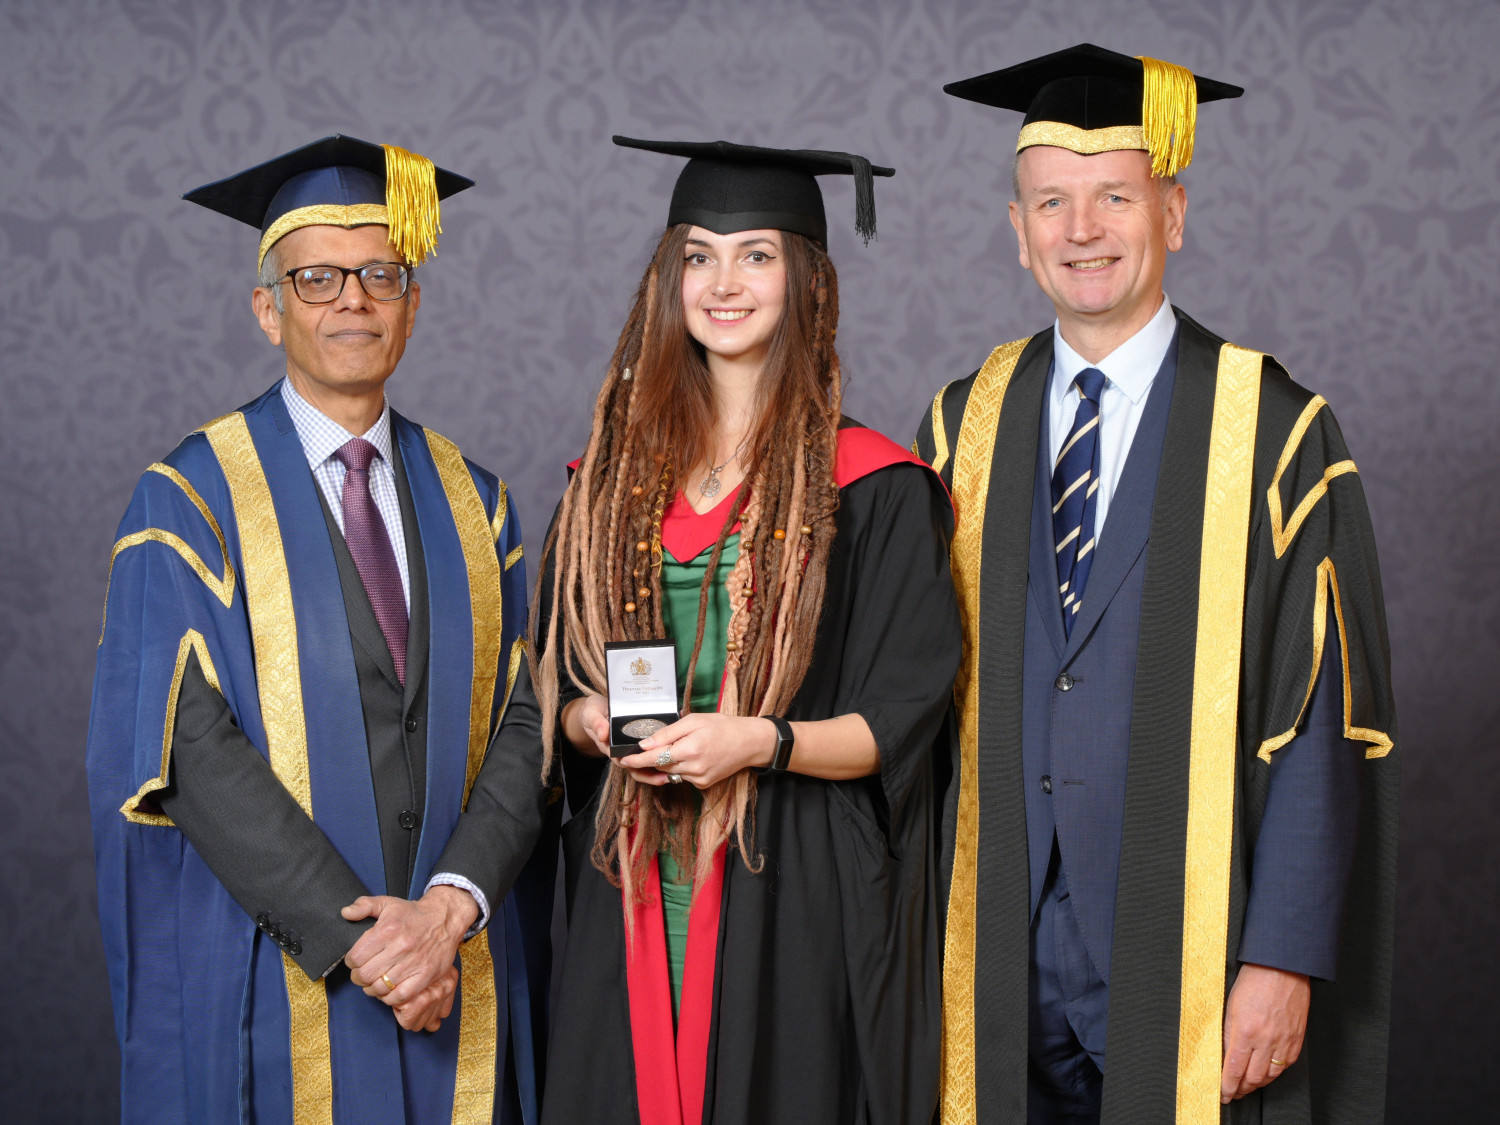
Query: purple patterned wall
(1343, 216)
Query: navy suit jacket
(1076, 738)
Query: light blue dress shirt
(1129, 371)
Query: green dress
(681, 584)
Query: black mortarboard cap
(339, 181)
(1089, 99)
(727, 187)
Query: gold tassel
(1169, 115)
(411, 201)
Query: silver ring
(675, 778)
(664, 759)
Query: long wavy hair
(653, 419)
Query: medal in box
(642, 691)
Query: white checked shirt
(321, 438)
(1129, 371)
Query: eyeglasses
(320, 285)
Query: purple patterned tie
(370, 545)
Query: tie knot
(1090, 383)
(356, 454)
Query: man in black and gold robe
(1169, 837)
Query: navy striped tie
(1075, 485)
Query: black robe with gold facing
(1259, 529)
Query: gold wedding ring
(1277, 1062)
(389, 987)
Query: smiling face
(733, 291)
(351, 345)
(1095, 232)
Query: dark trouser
(1069, 1007)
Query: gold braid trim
(485, 605)
(1086, 142)
(344, 215)
(221, 587)
(273, 633)
(478, 1036)
(512, 669)
(1282, 536)
(1211, 763)
(192, 641)
(1380, 743)
(502, 509)
(1169, 114)
(939, 434)
(971, 482)
(514, 557)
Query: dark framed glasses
(318, 285)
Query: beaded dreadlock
(654, 415)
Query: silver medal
(641, 728)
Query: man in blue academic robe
(313, 622)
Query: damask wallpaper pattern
(1343, 216)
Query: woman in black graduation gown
(752, 931)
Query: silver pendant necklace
(711, 485)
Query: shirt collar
(1131, 367)
(322, 436)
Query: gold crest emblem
(640, 666)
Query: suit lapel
(1128, 524)
(1043, 580)
(416, 565)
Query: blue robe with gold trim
(224, 553)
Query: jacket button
(263, 920)
(1064, 682)
(407, 819)
(1046, 783)
(295, 949)
(411, 724)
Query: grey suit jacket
(274, 861)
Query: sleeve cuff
(1315, 962)
(448, 879)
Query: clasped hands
(406, 959)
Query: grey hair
(270, 275)
(1162, 182)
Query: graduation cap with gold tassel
(343, 182)
(1089, 100)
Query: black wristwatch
(785, 739)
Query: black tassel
(864, 198)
